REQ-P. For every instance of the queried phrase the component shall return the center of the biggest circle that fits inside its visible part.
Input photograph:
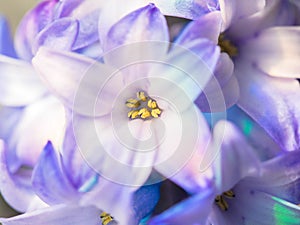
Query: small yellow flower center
(227, 46)
(220, 200)
(106, 218)
(143, 107)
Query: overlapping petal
(6, 44)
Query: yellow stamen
(229, 194)
(141, 95)
(221, 201)
(106, 218)
(152, 104)
(132, 103)
(133, 114)
(227, 46)
(155, 112)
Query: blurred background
(13, 10)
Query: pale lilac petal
(41, 121)
(194, 210)
(71, 75)
(276, 51)
(6, 44)
(284, 183)
(58, 215)
(207, 26)
(145, 24)
(15, 189)
(233, 10)
(32, 23)
(271, 102)
(254, 207)
(60, 35)
(19, 84)
(236, 158)
(49, 179)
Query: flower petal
(32, 23)
(207, 26)
(76, 79)
(19, 84)
(271, 102)
(144, 24)
(6, 44)
(236, 158)
(60, 35)
(194, 210)
(276, 51)
(49, 180)
(234, 10)
(13, 188)
(57, 215)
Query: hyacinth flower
(136, 33)
(264, 49)
(246, 191)
(74, 194)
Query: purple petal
(60, 35)
(207, 26)
(49, 179)
(32, 23)
(6, 44)
(145, 24)
(255, 207)
(276, 51)
(46, 120)
(236, 158)
(233, 10)
(13, 188)
(194, 210)
(58, 215)
(271, 102)
(280, 177)
(19, 84)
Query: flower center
(143, 107)
(106, 218)
(220, 200)
(227, 46)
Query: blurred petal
(15, 189)
(19, 84)
(145, 24)
(271, 102)
(194, 210)
(276, 51)
(49, 180)
(6, 44)
(57, 215)
(207, 26)
(234, 10)
(59, 35)
(32, 23)
(236, 158)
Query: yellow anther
(133, 114)
(152, 104)
(106, 218)
(221, 202)
(229, 194)
(141, 95)
(144, 113)
(132, 103)
(155, 112)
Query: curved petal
(271, 102)
(255, 207)
(276, 51)
(19, 84)
(60, 35)
(58, 215)
(49, 180)
(6, 44)
(144, 24)
(194, 210)
(207, 26)
(32, 23)
(15, 191)
(236, 158)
